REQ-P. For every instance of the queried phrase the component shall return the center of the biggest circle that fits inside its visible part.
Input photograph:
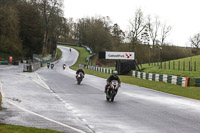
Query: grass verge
(20, 129)
(190, 92)
(59, 54)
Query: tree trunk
(45, 41)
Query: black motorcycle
(48, 64)
(52, 65)
(112, 90)
(64, 66)
(79, 77)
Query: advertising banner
(120, 55)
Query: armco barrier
(31, 67)
(177, 80)
(3, 62)
(100, 69)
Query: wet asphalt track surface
(52, 99)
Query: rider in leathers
(78, 71)
(112, 77)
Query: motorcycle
(112, 90)
(52, 65)
(64, 66)
(79, 78)
(48, 64)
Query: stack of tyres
(147, 76)
(161, 77)
(153, 77)
(141, 75)
(169, 79)
(179, 80)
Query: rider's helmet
(80, 67)
(114, 73)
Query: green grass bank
(180, 67)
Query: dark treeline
(29, 27)
(34, 26)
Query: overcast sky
(182, 15)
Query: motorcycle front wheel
(79, 81)
(112, 99)
(113, 94)
(108, 99)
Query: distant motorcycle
(64, 66)
(112, 90)
(79, 77)
(52, 65)
(48, 64)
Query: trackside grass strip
(59, 54)
(20, 129)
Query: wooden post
(189, 65)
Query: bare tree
(164, 32)
(195, 40)
(145, 36)
(153, 28)
(137, 26)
